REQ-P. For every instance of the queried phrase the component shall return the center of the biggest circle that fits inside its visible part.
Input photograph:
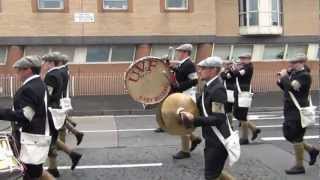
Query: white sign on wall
(84, 17)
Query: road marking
(116, 130)
(283, 139)
(277, 125)
(112, 166)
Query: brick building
(102, 37)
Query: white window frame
(109, 61)
(230, 51)
(59, 8)
(105, 6)
(176, 8)
(5, 56)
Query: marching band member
(54, 81)
(186, 81)
(229, 82)
(31, 119)
(243, 72)
(63, 67)
(211, 105)
(296, 80)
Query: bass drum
(170, 117)
(148, 80)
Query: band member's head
(64, 59)
(298, 62)
(184, 51)
(227, 64)
(209, 68)
(51, 60)
(27, 66)
(245, 58)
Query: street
(126, 148)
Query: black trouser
(293, 132)
(33, 171)
(215, 158)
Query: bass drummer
(186, 81)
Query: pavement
(120, 144)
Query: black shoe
(313, 156)
(75, 158)
(243, 141)
(54, 172)
(255, 134)
(295, 170)
(181, 155)
(159, 130)
(79, 137)
(194, 144)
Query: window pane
(67, 50)
(36, 50)
(243, 19)
(242, 6)
(122, 53)
(253, 18)
(275, 19)
(253, 5)
(161, 50)
(273, 52)
(51, 4)
(97, 54)
(293, 50)
(241, 49)
(222, 51)
(274, 5)
(176, 4)
(3, 54)
(115, 4)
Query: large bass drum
(10, 167)
(148, 80)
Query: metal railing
(100, 84)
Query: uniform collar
(62, 66)
(54, 68)
(30, 78)
(184, 60)
(211, 80)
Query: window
(222, 51)
(162, 50)
(42, 50)
(115, 4)
(120, 53)
(51, 4)
(257, 12)
(293, 50)
(3, 55)
(67, 50)
(36, 50)
(273, 52)
(97, 54)
(176, 4)
(253, 13)
(241, 49)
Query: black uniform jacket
(229, 78)
(184, 73)
(29, 95)
(65, 79)
(299, 83)
(244, 75)
(54, 82)
(215, 93)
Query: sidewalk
(124, 104)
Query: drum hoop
(136, 62)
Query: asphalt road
(126, 148)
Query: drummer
(30, 116)
(186, 81)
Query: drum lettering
(152, 63)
